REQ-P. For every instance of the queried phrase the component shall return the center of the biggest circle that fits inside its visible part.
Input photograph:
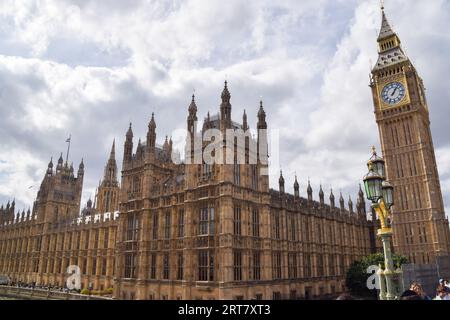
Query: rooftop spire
(225, 108)
(130, 132)
(193, 106)
(112, 155)
(386, 29)
(152, 123)
(244, 121)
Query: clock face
(393, 93)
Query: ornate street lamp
(388, 194)
(373, 185)
(381, 194)
(377, 163)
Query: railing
(43, 294)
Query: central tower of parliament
(189, 230)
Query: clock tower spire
(421, 231)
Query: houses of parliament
(191, 230)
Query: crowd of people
(416, 292)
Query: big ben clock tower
(421, 230)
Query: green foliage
(84, 291)
(356, 279)
(108, 291)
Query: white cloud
(89, 67)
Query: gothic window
(277, 225)
(292, 267)
(293, 228)
(203, 221)
(254, 173)
(155, 226)
(206, 223)
(255, 266)
(70, 241)
(130, 265)
(84, 265)
(78, 240)
(153, 266)
(132, 228)
(341, 265)
(319, 232)
(94, 266)
(86, 240)
(167, 225)
(104, 266)
(211, 220)
(206, 170)
(319, 265)
(136, 184)
(237, 263)
(276, 265)
(105, 238)
(96, 239)
(205, 265)
(255, 222)
(181, 223)
(237, 221)
(237, 173)
(307, 265)
(166, 266)
(180, 266)
(331, 265)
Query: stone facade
(40, 245)
(421, 230)
(198, 231)
(217, 231)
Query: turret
(281, 182)
(225, 109)
(80, 173)
(296, 189)
(50, 168)
(321, 197)
(263, 149)
(128, 147)
(350, 205)
(244, 122)
(332, 200)
(361, 203)
(110, 172)
(192, 117)
(309, 190)
(139, 153)
(151, 134)
(59, 167)
(342, 203)
(71, 170)
(261, 117)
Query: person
(345, 296)
(417, 288)
(410, 295)
(442, 292)
(446, 283)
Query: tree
(356, 279)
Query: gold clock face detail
(393, 93)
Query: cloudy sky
(87, 68)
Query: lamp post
(381, 194)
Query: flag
(68, 139)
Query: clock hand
(393, 93)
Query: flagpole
(68, 148)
